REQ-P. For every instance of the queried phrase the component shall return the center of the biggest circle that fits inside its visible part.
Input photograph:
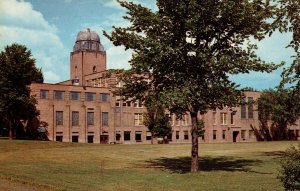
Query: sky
(49, 29)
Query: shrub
(290, 169)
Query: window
(90, 118)
(251, 134)
(104, 97)
(243, 108)
(243, 133)
(214, 118)
(177, 135)
(90, 96)
(250, 107)
(138, 136)
(186, 135)
(138, 119)
(177, 122)
(128, 103)
(169, 137)
(44, 94)
(223, 118)
(224, 134)
(74, 95)
(59, 138)
(59, 118)
(59, 95)
(104, 118)
(148, 135)
(214, 134)
(126, 135)
(118, 135)
(90, 138)
(75, 118)
(118, 102)
(137, 104)
(231, 118)
(75, 139)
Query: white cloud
(21, 24)
(114, 4)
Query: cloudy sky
(49, 29)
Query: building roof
(88, 40)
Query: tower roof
(88, 40)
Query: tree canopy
(18, 70)
(185, 51)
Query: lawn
(68, 166)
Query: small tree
(290, 169)
(17, 71)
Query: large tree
(17, 72)
(185, 51)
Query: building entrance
(235, 135)
(103, 139)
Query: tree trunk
(10, 130)
(194, 153)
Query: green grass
(67, 166)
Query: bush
(290, 169)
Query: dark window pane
(74, 95)
(75, 118)
(44, 94)
(59, 95)
(104, 118)
(90, 118)
(250, 107)
(59, 118)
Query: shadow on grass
(182, 164)
(275, 154)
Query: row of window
(138, 136)
(59, 118)
(60, 95)
(243, 134)
(128, 103)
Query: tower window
(94, 69)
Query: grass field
(30, 165)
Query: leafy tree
(290, 169)
(187, 49)
(18, 70)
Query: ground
(44, 166)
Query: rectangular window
(177, 135)
(124, 103)
(44, 94)
(169, 137)
(90, 138)
(231, 118)
(243, 134)
(186, 135)
(214, 134)
(126, 135)
(118, 135)
(243, 108)
(138, 119)
(128, 103)
(214, 118)
(59, 118)
(59, 138)
(75, 139)
(224, 134)
(250, 107)
(104, 118)
(137, 104)
(90, 96)
(251, 134)
(177, 122)
(148, 135)
(104, 97)
(118, 102)
(138, 136)
(74, 95)
(59, 95)
(90, 118)
(75, 118)
(223, 118)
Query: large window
(243, 108)
(148, 135)
(177, 135)
(214, 119)
(74, 95)
(104, 97)
(214, 134)
(118, 135)
(90, 96)
(75, 138)
(138, 119)
(186, 135)
(104, 118)
(75, 118)
(44, 94)
(126, 135)
(90, 118)
(250, 107)
(59, 95)
(59, 118)
(223, 118)
(224, 134)
(90, 138)
(138, 136)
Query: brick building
(83, 109)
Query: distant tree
(17, 71)
(188, 49)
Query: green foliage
(276, 110)
(201, 127)
(18, 70)
(290, 169)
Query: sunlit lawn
(67, 166)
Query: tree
(187, 49)
(18, 70)
(156, 119)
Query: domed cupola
(88, 40)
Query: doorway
(235, 135)
(103, 139)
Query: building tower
(88, 56)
